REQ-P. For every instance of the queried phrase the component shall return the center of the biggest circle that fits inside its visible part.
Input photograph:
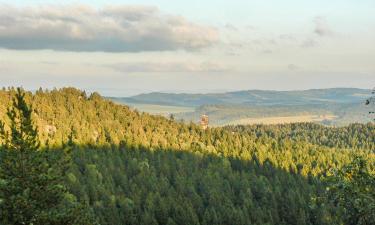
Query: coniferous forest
(113, 165)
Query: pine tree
(31, 180)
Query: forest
(129, 167)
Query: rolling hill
(254, 97)
(336, 106)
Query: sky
(122, 48)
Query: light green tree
(31, 180)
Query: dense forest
(134, 168)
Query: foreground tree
(31, 180)
(353, 192)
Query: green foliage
(134, 168)
(23, 136)
(31, 188)
(353, 192)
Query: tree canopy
(134, 168)
(32, 190)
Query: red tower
(204, 122)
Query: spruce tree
(31, 179)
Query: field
(282, 119)
(257, 106)
(164, 110)
(225, 115)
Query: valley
(338, 107)
(283, 120)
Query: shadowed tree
(353, 192)
(165, 172)
(31, 180)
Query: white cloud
(308, 43)
(230, 27)
(168, 67)
(321, 27)
(111, 29)
(293, 67)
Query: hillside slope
(135, 168)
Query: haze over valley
(338, 106)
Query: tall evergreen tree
(31, 180)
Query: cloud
(287, 38)
(3, 66)
(168, 67)
(308, 43)
(267, 51)
(230, 27)
(293, 67)
(321, 27)
(110, 29)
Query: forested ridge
(134, 168)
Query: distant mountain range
(337, 106)
(254, 97)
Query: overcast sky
(121, 48)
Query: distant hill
(328, 114)
(253, 97)
(335, 106)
